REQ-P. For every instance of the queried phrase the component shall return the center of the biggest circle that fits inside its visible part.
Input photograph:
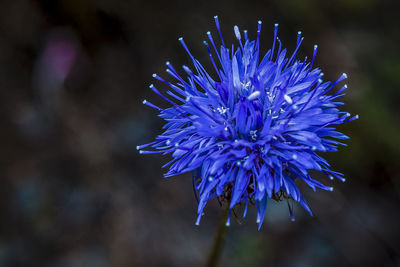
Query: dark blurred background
(75, 192)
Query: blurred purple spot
(59, 54)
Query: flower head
(253, 129)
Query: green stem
(219, 240)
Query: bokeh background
(75, 192)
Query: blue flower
(253, 129)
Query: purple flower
(252, 130)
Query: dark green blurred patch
(378, 122)
(249, 249)
(356, 4)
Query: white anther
(222, 110)
(254, 95)
(288, 99)
(237, 32)
(247, 85)
(253, 135)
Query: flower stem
(219, 240)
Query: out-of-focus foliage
(74, 190)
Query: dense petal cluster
(248, 133)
